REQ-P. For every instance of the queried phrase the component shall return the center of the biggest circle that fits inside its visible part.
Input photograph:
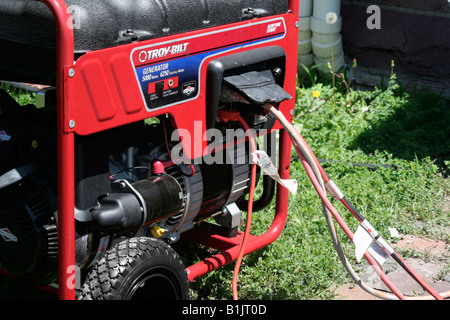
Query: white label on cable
(334, 190)
(362, 241)
(262, 159)
(378, 253)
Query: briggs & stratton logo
(7, 235)
(4, 136)
(188, 88)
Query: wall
(413, 33)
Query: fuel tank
(27, 29)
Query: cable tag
(362, 241)
(378, 253)
(262, 159)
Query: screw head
(72, 73)
(71, 124)
(292, 112)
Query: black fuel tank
(27, 29)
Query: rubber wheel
(137, 269)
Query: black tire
(137, 269)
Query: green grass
(404, 135)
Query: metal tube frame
(66, 151)
(66, 174)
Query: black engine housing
(28, 207)
(29, 242)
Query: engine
(127, 184)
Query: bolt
(129, 33)
(292, 112)
(297, 24)
(71, 124)
(72, 73)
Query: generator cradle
(114, 164)
(144, 132)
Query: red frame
(71, 105)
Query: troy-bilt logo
(148, 55)
(4, 136)
(7, 235)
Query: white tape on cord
(262, 159)
(334, 190)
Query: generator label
(168, 73)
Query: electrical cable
(355, 212)
(397, 257)
(346, 229)
(389, 250)
(317, 174)
(226, 115)
(305, 151)
(384, 245)
(249, 209)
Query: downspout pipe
(305, 54)
(326, 41)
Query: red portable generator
(117, 163)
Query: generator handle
(294, 6)
(66, 151)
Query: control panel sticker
(168, 73)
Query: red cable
(288, 126)
(249, 211)
(344, 227)
(166, 140)
(226, 115)
(231, 115)
(350, 209)
(415, 276)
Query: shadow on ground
(418, 129)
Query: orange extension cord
(249, 209)
(226, 115)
